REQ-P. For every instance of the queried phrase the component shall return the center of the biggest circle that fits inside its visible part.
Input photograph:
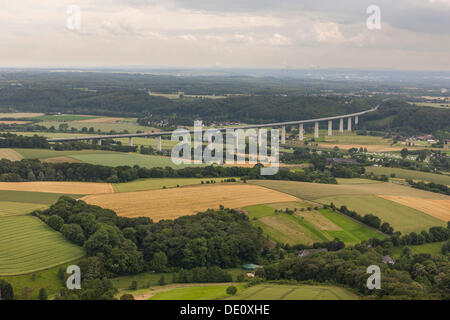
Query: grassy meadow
(411, 174)
(400, 217)
(130, 159)
(307, 227)
(28, 245)
(267, 291)
(159, 183)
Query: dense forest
(420, 276)
(118, 245)
(410, 120)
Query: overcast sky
(414, 34)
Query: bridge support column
(356, 119)
(259, 139)
(99, 142)
(300, 132)
(349, 125)
(159, 143)
(283, 135)
(316, 129)
(130, 141)
(341, 125)
(330, 127)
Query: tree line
(34, 170)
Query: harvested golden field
(13, 122)
(176, 202)
(17, 115)
(10, 154)
(59, 187)
(61, 159)
(434, 207)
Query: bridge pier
(130, 141)
(159, 144)
(316, 129)
(349, 124)
(259, 139)
(330, 127)
(341, 125)
(283, 135)
(356, 119)
(300, 132)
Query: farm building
(388, 259)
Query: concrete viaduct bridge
(283, 125)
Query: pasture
(32, 197)
(103, 125)
(28, 245)
(400, 217)
(19, 115)
(411, 174)
(430, 248)
(271, 291)
(159, 183)
(266, 291)
(10, 208)
(437, 208)
(130, 159)
(61, 187)
(355, 181)
(195, 292)
(26, 286)
(175, 202)
(48, 153)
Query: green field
(355, 181)
(144, 280)
(129, 159)
(411, 174)
(353, 138)
(10, 208)
(26, 286)
(294, 292)
(159, 183)
(151, 279)
(64, 117)
(400, 217)
(307, 227)
(131, 127)
(352, 231)
(195, 293)
(431, 248)
(48, 153)
(33, 197)
(28, 245)
(258, 292)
